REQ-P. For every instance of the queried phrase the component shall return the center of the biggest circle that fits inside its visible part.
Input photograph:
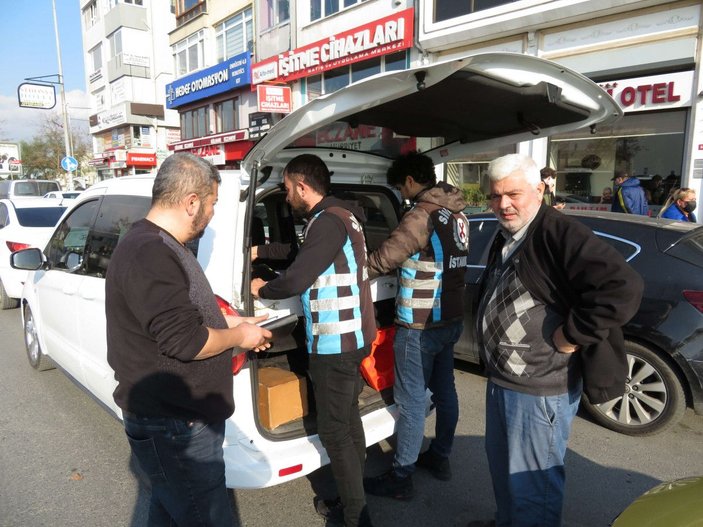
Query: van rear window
(39, 217)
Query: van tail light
(17, 246)
(290, 470)
(239, 359)
(695, 298)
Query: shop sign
(259, 124)
(112, 118)
(656, 92)
(228, 75)
(135, 60)
(227, 137)
(120, 155)
(273, 99)
(10, 158)
(141, 160)
(343, 136)
(32, 95)
(386, 35)
(213, 153)
(118, 164)
(95, 76)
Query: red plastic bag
(377, 367)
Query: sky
(28, 49)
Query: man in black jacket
(554, 299)
(171, 349)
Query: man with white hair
(554, 298)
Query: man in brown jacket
(430, 251)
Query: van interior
(273, 222)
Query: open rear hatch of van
(448, 111)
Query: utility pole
(62, 94)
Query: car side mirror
(27, 259)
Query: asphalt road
(64, 461)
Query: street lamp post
(62, 94)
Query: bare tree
(41, 157)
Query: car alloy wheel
(36, 357)
(653, 401)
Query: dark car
(664, 341)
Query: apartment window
(115, 43)
(234, 35)
(188, 9)
(90, 14)
(195, 123)
(273, 12)
(333, 80)
(113, 3)
(226, 116)
(448, 9)
(322, 8)
(96, 57)
(188, 54)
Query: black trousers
(337, 384)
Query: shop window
(448, 9)
(273, 12)
(643, 144)
(323, 8)
(226, 116)
(364, 69)
(235, 35)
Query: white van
(447, 110)
(27, 188)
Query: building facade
(238, 67)
(646, 54)
(128, 65)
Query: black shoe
(438, 466)
(390, 485)
(331, 510)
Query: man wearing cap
(629, 195)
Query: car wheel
(5, 301)
(36, 357)
(654, 399)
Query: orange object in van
(377, 368)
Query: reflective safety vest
(431, 288)
(339, 314)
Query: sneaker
(390, 485)
(438, 466)
(331, 510)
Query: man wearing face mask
(683, 203)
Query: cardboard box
(283, 397)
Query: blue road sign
(69, 164)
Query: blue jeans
(526, 438)
(182, 462)
(424, 358)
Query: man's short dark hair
(312, 170)
(547, 172)
(182, 174)
(414, 164)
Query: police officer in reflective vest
(429, 248)
(330, 275)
